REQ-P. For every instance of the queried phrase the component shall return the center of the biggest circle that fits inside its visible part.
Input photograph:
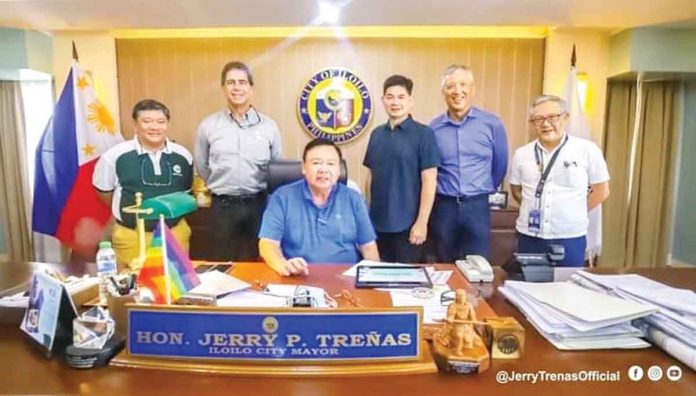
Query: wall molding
(340, 31)
(680, 264)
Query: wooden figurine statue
(457, 346)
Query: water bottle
(106, 268)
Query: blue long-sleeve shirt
(473, 153)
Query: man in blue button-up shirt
(402, 158)
(473, 161)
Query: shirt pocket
(571, 175)
(257, 149)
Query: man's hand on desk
(295, 266)
(273, 256)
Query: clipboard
(407, 277)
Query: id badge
(534, 224)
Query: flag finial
(573, 57)
(74, 52)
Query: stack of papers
(216, 284)
(17, 300)
(672, 325)
(252, 299)
(572, 317)
(433, 310)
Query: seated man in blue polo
(316, 219)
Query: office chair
(281, 172)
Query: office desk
(24, 371)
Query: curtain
(640, 142)
(14, 192)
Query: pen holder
(119, 311)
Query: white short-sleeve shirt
(563, 203)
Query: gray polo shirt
(233, 160)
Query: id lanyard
(545, 173)
(534, 224)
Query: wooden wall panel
(184, 74)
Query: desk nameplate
(275, 335)
(277, 342)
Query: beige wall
(98, 54)
(592, 48)
(184, 74)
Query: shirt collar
(308, 194)
(140, 150)
(444, 118)
(250, 116)
(545, 150)
(402, 125)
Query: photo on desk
(372, 276)
(49, 313)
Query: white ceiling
(56, 15)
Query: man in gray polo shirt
(232, 151)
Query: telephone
(475, 268)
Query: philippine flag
(81, 129)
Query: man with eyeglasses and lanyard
(150, 164)
(232, 151)
(557, 179)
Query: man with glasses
(557, 179)
(232, 151)
(149, 164)
(473, 160)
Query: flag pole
(74, 53)
(167, 280)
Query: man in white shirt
(232, 151)
(557, 179)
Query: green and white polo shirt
(127, 168)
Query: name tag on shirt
(534, 223)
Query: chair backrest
(281, 172)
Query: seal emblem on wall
(335, 104)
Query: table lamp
(169, 205)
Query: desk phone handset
(476, 269)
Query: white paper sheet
(581, 305)
(433, 310)
(216, 283)
(249, 298)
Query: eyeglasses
(251, 119)
(551, 118)
(162, 180)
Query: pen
(113, 281)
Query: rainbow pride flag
(153, 275)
